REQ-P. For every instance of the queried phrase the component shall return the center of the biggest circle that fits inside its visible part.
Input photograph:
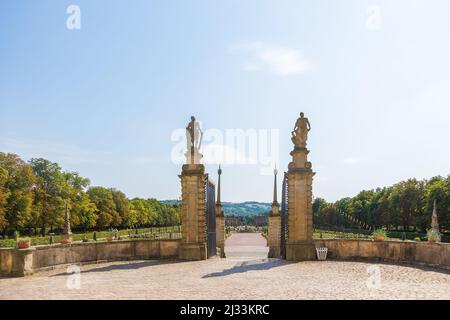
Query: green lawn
(173, 232)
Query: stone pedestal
(300, 245)
(193, 220)
(67, 234)
(274, 233)
(220, 230)
(66, 238)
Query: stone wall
(14, 262)
(420, 253)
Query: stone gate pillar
(220, 221)
(300, 245)
(274, 230)
(193, 213)
(193, 195)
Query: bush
(433, 235)
(7, 243)
(379, 234)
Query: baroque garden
(294, 264)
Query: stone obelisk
(300, 245)
(274, 231)
(67, 234)
(434, 222)
(220, 220)
(193, 214)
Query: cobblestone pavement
(238, 277)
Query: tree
(51, 194)
(18, 185)
(437, 188)
(380, 208)
(85, 213)
(4, 195)
(106, 208)
(82, 209)
(122, 206)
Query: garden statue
(194, 136)
(300, 132)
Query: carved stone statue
(194, 136)
(300, 132)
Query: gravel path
(238, 277)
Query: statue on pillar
(300, 132)
(194, 136)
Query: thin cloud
(264, 57)
(350, 160)
(58, 152)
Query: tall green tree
(51, 194)
(4, 195)
(18, 185)
(82, 209)
(122, 207)
(104, 203)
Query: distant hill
(246, 208)
(243, 209)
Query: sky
(110, 99)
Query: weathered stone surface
(168, 249)
(14, 262)
(220, 230)
(193, 211)
(274, 239)
(423, 253)
(193, 251)
(301, 251)
(300, 218)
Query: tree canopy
(35, 195)
(405, 206)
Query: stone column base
(301, 251)
(274, 236)
(221, 252)
(274, 252)
(196, 251)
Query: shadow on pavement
(125, 266)
(245, 266)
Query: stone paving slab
(246, 239)
(246, 273)
(232, 278)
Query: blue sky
(104, 100)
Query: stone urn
(23, 243)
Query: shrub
(433, 235)
(379, 234)
(7, 243)
(85, 238)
